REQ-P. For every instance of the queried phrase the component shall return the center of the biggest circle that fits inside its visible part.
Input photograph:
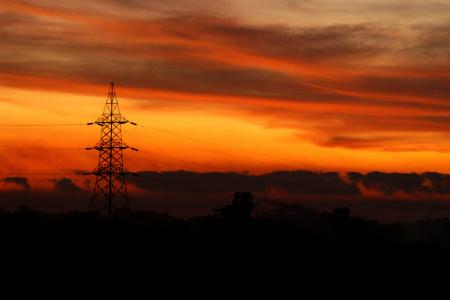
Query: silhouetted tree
(240, 210)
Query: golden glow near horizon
(172, 139)
(269, 85)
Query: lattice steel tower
(110, 197)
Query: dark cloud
(410, 183)
(66, 185)
(20, 181)
(295, 182)
(64, 49)
(311, 44)
(436, 182)
(305, 182)
(432, 41)
(427, 87)
(355, 142)
(53, 54)
(168, 6)
(390, 183)
(392, 143)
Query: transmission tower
(110, 197)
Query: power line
(209, 167)
(227, 154)
(38, 147)
(274, 163)
(154, 129)
(205, 141)
(38, 174)
(40, 125)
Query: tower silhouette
(110, 196)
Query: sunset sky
(232, 85)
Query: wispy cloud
(373, 83)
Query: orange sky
(260, 86)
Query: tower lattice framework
(110, 196)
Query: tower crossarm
(106, 171)
(103, 121)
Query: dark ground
(232, 248)
(287, 229)
(289, 248)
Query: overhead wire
(206, 167)
(228, 154)
(41, 125)
(158, 138)
(39, 148)
(39, 174)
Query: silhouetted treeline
(238, 224)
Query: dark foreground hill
(285, 229)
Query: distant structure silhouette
(110, 197)
(240, 210)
